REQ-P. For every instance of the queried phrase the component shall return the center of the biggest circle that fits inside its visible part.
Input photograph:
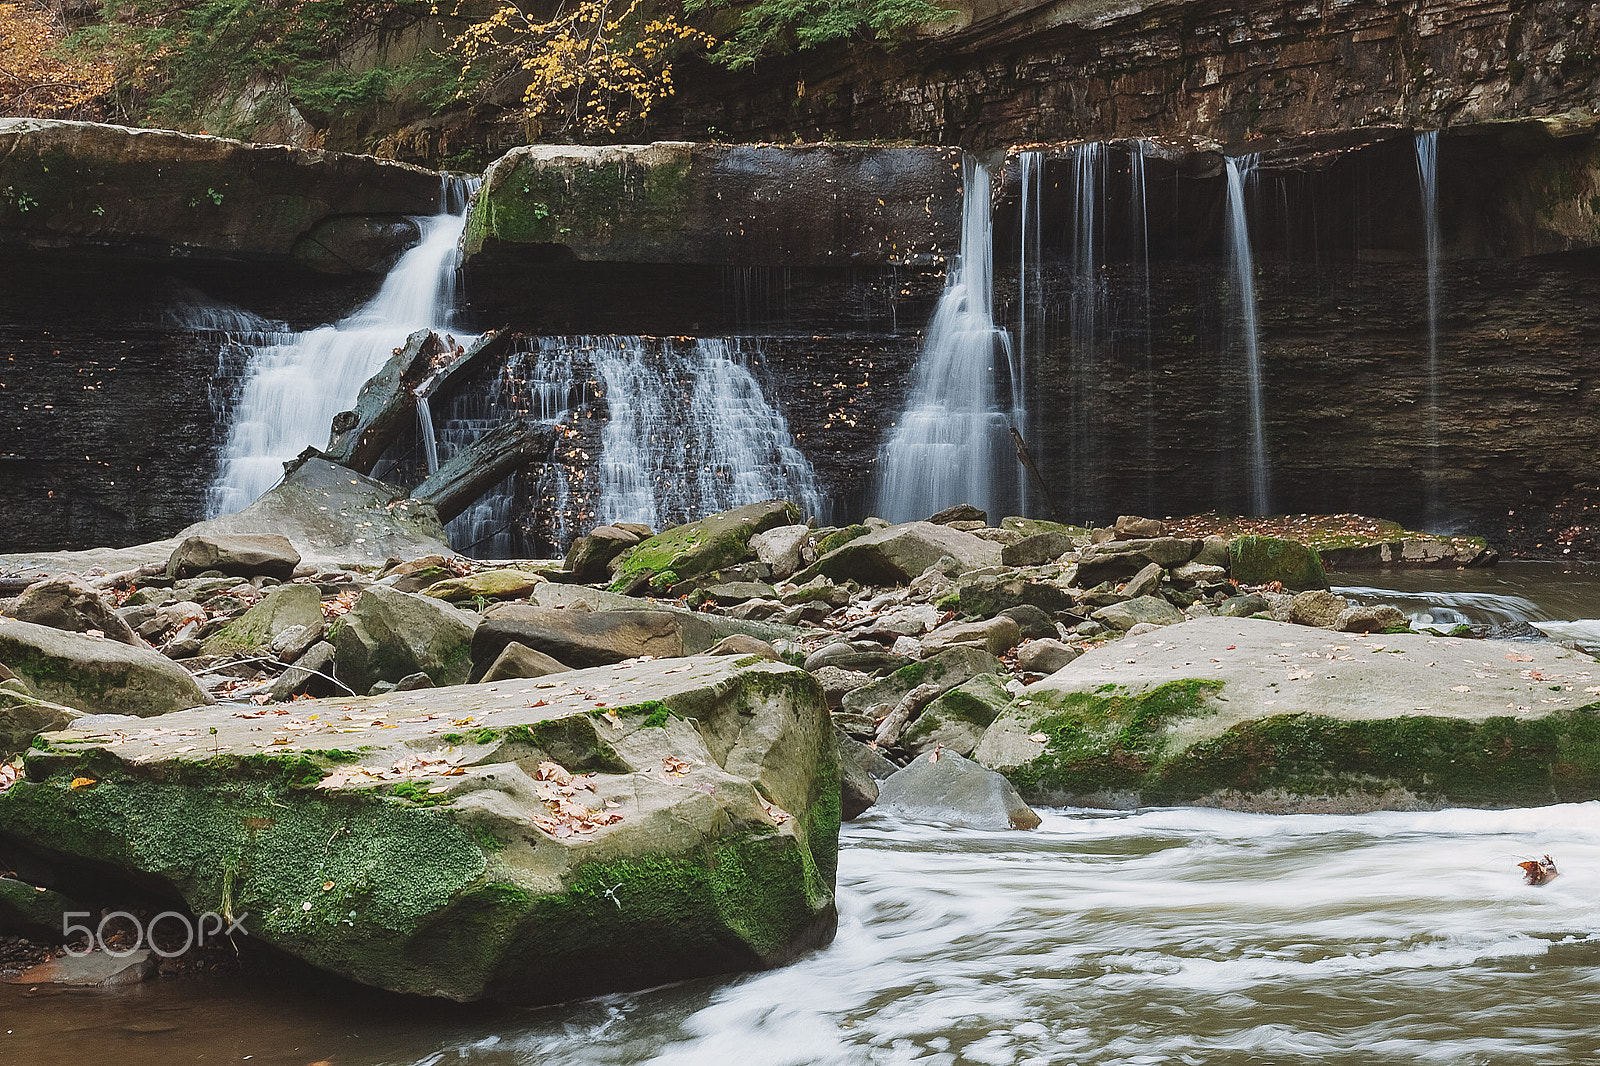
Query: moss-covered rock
(1263, 560)
(23, 717)
(896, 555)
(389, 635)
(1292, 719)
(704, 841)
(282, 607)
(696, 548)
(95, 675)
(957, 720)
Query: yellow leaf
(83, 782)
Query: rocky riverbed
(461, 778)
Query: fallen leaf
(1520, 658)
(1038, 738)
(83, 782)
(327, 886)
(1460, 688)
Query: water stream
(294, 386)
(1164, 936)
(1561, 600)
(1240, 169)
(1427, 146)
(951, 443)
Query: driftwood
(386, 406)
(443, 383)
(910, 704)
(477, 468)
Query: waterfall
(1139, 197)
(293, 387)
(1030, 291)
(1244, 276)
(430, 442)
(1086, 311)
(951, 443)
(1427, 145)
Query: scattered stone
(781, 548)
(733, 593)
(1033, 622)
(1140, 628)
(1317, 608)
(591, 638)
(509, 583)
(998, 634)
(293, 642)
(389, 635)
(1243, 606)
(1264, 560)
(1152, 609)
(961, 512)
(239, 554)
(1144, 583)
(697, 548)
(836, 681)
(1198, 573)
(742, 644)
(23, 717)
(858, 789)
(413, 682)
(313, 672)
(96, 675)
(1376, 618)
(418, 574)
(68, 602)
(1045, 656)
(817, 590)
(519, 660)
(1037, 550)
(98, 969)
(955, 791)
(1117, 560)
(945, 669)
(956, 720)
(897, 554)
(992, 594)
(589, 558)
(254, 631)
(1132, 527)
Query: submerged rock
(527, 842)
(1262, 715)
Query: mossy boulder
(390, 635)
(696, 548)
(896, 555)
(96, 675)
(505, 583)
(947, 669)
(957, 720)
(1263, 560)
(23, 717)
(539, 840)
(1270, 716)
(280, 608)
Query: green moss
(572, 741)
(453, 738)
(417, 792)
(537, 204)
(487, 840)
(1254, 560)
(839, 538)
(335, 754)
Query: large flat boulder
(591, 638)
(527, 841)
(157, 192)
(1262, 715)
(896, 555)
(678, 202)
(96, 675)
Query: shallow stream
(1161, 936)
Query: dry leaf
(1038, 738)
(1460, 688)
(1520, 658)
(83, 782)
(327, 886)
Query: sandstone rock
(314, 672)
(1045, 656)
(591, 638)
(705, 841)
(1144, 583)
(1362, 618)
(961, 512)
(956, 720)
(836, 681)
(1263, 560)
(1131, 527)
(733, 593)
(1031, 620)
(817, 590)
(849, 657)
(946, 670)
(68, 602)
(242, 555)
(992, 594)
(1213, 552)
(1118, 559)
(22, 717)
(509, 583)
(1198, 573)
(293, 642)
(389, 635)
(780, 548)
(414, 575)
(1152, 609)
(519, 660)
(998, 634)
(96, 675)
(590, 555)
(897, 554)
(1037, 550)
(697, 548)
(1317, 608)
(256, 629)
(740, 644)
(955, 791)
(1276, 717)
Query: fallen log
(476, 468)
(443, 383)
(386, 406)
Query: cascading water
(1239, 169)
(1139, 197)
(1427, 146)
(1086, 311)
(1030, 285)
(294, 386)
(951, 444)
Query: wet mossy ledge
(746, 205)
(1259, 715)
(526, 841)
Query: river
(1160, 936)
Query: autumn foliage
(591, 67)
(37, 76)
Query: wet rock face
(174, 194)
(677, 202)
(1050, 70)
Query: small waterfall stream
(951, 443)
(294, 385)
(1427, 147)
(1240, 169)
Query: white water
(1139, 193)
(1030, 292)
(1427, 146)
(952, 443)
(1244, 275)
(294, 386)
